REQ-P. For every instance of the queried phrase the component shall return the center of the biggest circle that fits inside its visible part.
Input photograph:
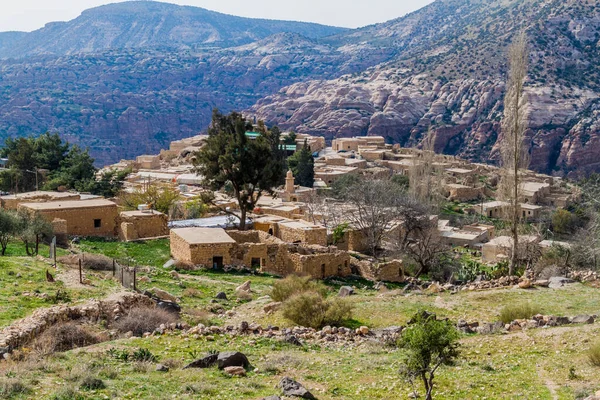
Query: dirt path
(70, 277)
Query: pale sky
(28, 15)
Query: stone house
(12, 201)
(148, 162)
(202, 246)
(292, 231)
(134, 225)
(499, 248)
(330, 174)
(455, 191)
(257, 249)
(499, 210)
(535, 192)
(96, 217)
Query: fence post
(114, 267)
(134, 279)
(80, 273)
(122, 270)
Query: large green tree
(302, 165)
(63, 165)
(250, 166)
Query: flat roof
(460, 170)
(138, 213)
(69, 205)
(204, 235)
(38, 194)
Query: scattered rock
(162, 368)
(235, 371)
(346, 291)
(558, 282)
(272, 307)
(169, 264)
(292, 339)
(363, 330)
(205, 362)
(292, 388)
(274, 397)
(435, 288)
(169, 306)
(582, 319)
(525, 284)
(221, 296)
(163, 295)
(232, 359)
(542, 283)
(244, 287)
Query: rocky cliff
(450, 81)
(127, 78)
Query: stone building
(330, 174)
(202, 246)
(292, 192)
(148, 162)
(292, 231)
(499, 248)
(96, 217)
(213, 247)
(134, 225)
(12, 201)
(455, 191)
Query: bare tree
(425, 178)
(513, 151)
(372, 208)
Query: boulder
(162, 368)
(525, 284)
(582, 319)
(558, 282)
(272, 307)
(232, 359)
(542, 283)
(346, 291)
(161, 294)
(435, 288)
(235, 371)
(293, 339)
(169, 306)
(292, 388)
(221, 296)
(205, 362)
(244, 287)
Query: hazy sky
(28, 15)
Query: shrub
(312, 310)
(594, 355)
(286, 288)
(512, 312)
(67, 393)
(63, 337)
(92, 383)
(12, 387)
(91, 261)
(144, 319)
(143, 355)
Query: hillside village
(310, 232)
(258, 263)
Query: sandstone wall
(147, 226)
(80, 221)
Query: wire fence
(126, 275)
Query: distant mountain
(127, 78)
(447, 76)
(149, 24)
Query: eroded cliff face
(463, 116)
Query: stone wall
(309, 235)
(25, 330)
(137, 225)
(81, 221)
(392, 271)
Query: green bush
(512, 312)
(292, 285)
(594, 355)
(311, 309)
(92, 383)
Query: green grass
(152, 253)
(19, 275)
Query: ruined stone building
(215, 248)
(146, 224)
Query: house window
(255, 263)
(97, 223)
